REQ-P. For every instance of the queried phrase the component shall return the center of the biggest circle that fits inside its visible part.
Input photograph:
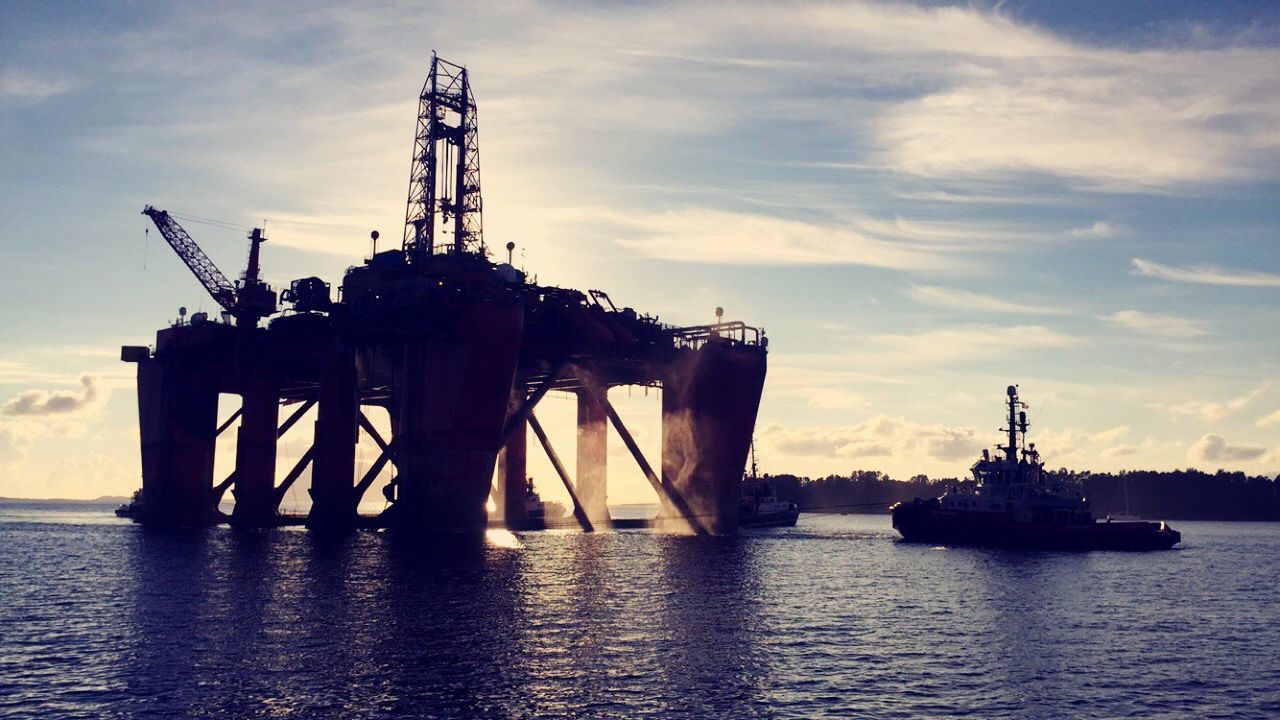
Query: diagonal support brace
(525, 411)
(363, 486)
(234, 416)
(294, 418)
(289, 479)
(578, 512)
(220, 490)
(663, 489)
(367, 426)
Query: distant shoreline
(100, 500)
(1100, 518)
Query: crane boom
(222, 290)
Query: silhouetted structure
(458, 350)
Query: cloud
(1212, 448)
(22, 85)
(1109, 119)
(709, 235)
(1269, 420)
(1119, 451)
(1110, 435)
(1212, 410)
(832, 398)
(1205, 274)
(39, 403)
(13, 446)
(878, 437)
(1170, 326)
(965, 301)
(1100, 229)
(960, 343)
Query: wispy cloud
(1269, 420)
(1213, 410)
(24, 85)
(13, 446)
(1205, 274)
(1111, 435)
(962, 343)
(1100, 229)
(1169, 326)
(1119, 451)
(707, 235)
(965, 301)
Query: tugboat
(1017, 504)
(131, 508)
(758, 504)
(539, 510)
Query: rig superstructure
(458, 350)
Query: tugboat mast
(1011, 449)
(1017, 423)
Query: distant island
(1164, 495)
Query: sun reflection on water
(502, 538)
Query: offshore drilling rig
(458, 350)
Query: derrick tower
(443, 213)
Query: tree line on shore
(1173, 495)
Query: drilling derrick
(444, 177)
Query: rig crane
(248, 300)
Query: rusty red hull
(710, 400)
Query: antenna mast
(444, 177)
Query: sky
(919, 203)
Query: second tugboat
(1017, 504)
(759, 505)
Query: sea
(835, 618)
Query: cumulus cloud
(1205, 274)
(39, 403)
(1213, 448)
(1169, 326)
(965, 301)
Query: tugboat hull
(926, 522)
(778, 519)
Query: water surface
(834, 618)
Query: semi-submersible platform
(458, 350)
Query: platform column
(333, 501)
(709, 403)
(254, 488)
(178, 419)
(450, 393)
(513, 470)
(592, 458)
